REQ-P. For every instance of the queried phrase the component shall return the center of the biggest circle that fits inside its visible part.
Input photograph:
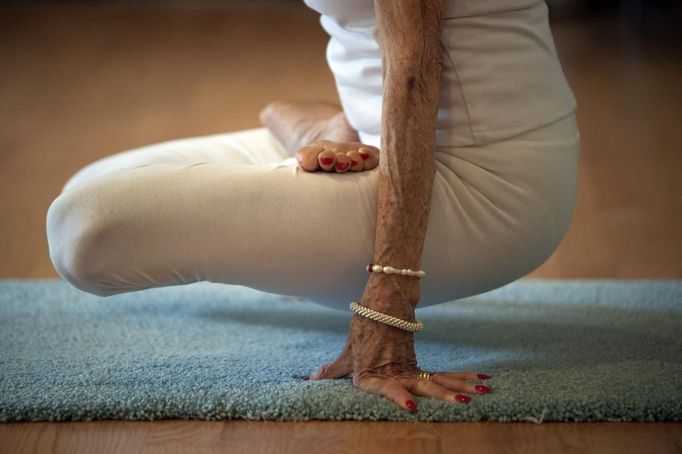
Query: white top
(501, 74)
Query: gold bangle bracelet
(412, 327)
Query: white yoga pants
(234, 208)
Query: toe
(369, 156)
(356, 161)
(327, 160)
(307, 158)
(342, 162)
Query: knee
(74, 234)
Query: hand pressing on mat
(381, 358)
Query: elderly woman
(455, 116)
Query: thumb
(340, 367)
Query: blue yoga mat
(558, 350)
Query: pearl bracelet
(412, 327)
(390, 270)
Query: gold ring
(424, 376)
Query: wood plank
(180, 436)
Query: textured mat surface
(558, 350)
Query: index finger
(391, 389)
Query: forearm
(409, 35)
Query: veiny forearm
(409, 37)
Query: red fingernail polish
(307, 377)
(482, 389)
(411, 405)
(462, 398)
(326, 161)
(483, 376)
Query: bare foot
(298, 123)
(337, 157)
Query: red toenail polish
(353, 162)
(327, 160)
(482, 389)
(411, 405)
(365, 156)
(462, 398)
(483, 376)
(307, 377)
(341, 165)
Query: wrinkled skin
(381, 359)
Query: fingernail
(462, 398)
(483, 376)
(482, 389)
(411, 405)
(307, 377)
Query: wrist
(402, 286)
(366, 329)
(392, 294)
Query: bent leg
(249, 146)
(497, 213)
(274, 229)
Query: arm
(383, 357)
(380, 357)
(409, 36)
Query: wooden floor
(79, 82)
